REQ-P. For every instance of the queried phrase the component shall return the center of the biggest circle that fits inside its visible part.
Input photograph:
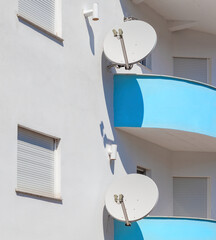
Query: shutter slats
(40, 22)
(190, 197)
(35, 171)
(35, 187)
(30, 159)
(32, 179)
(41, 13)
(34, 152)
(35, 165)
(191, 68)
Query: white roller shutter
(191, 68)
(39, 12)
(35, 164)
(190, 197)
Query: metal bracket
(118, 66)
(119, 35)
(130, 18)
(120, 200)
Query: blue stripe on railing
(164, 228)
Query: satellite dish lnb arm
(119, 35)
(120, 200)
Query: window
(37, 164)
(190, 197)
(42, 14)
(147, 62)
(143, 171)
(192, 68)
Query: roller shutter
(35, 163)
(191, 68)
(190, 197)
(39, 12)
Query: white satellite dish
(139, 38)
(139, 194)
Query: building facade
(62, 109)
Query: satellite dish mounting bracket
(118, 66)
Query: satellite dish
(140, 194)
(139, 38)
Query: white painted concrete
(66, 91)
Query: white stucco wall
(66, 91)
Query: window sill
(55, 199)
(59, 39)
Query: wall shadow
(91, 36)
(123, 232)
(107, 142)
(120, 137)
(125, 9)
(107, 78)
(128, 102)
(108, 225)
(114, 229)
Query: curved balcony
(166, 228)
(178, 114)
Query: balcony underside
(174, 113)
(175, 140)
(164, 228)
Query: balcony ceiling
(175, 140)
(198, 11)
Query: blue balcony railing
(166, 228)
